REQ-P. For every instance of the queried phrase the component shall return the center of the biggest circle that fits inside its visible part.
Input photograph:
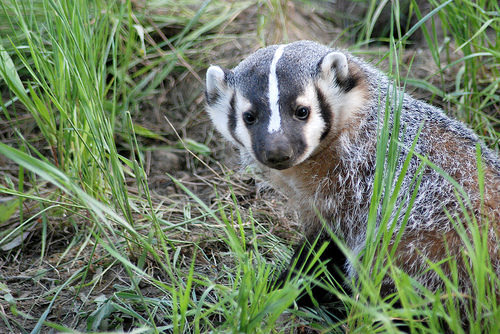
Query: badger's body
(308, 116)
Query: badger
(308, 117)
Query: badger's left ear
(334, 65)
(216, 83)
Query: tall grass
(461, 37)
(474, 29)
(80, 70)
(76, 68)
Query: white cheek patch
(342, 105)
(275, 120)
(352, 102)
(219, 115)
(241, 131)
(315, 125)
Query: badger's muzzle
(277, 152)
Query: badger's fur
(308, 117)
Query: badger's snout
(277, 152)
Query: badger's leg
(334, 260)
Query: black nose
(278, 152)
(278, 156)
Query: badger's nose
(277, 156)
(278, 153)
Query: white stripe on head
(275, 120)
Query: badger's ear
(334, 65)
(216, 83)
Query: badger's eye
(249, 118)
(302, 113)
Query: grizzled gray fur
(308, 115)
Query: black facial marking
(326, 112)
(232, 119)
(289, 88)
(298, 142)
(263, 142)
(211, 98)
(347, 84)
(254, 86)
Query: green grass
(112, 253)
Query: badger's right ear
(216, 83)
(334, 63)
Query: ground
(35, 266)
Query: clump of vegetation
(115, 211)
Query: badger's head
(281, 102)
